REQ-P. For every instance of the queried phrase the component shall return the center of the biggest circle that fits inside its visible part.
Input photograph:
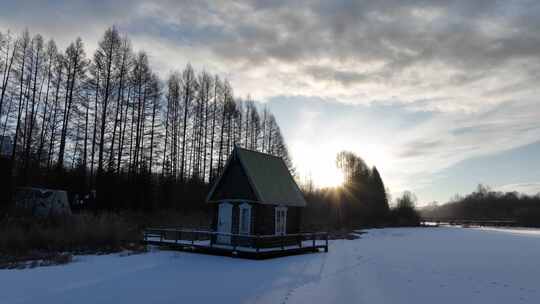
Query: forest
(132, 149)
(106, 128)
(485, 203)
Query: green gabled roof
(268, 176)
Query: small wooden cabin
(255, 195)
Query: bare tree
(113, 113)
(51, 57)
(123, 64)
(75, 63)
(105, 56)
(24, 42)
(188, 89)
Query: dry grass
(171, 218)
(36, 259)
(49, 240)
(29, 242)
(75, 233)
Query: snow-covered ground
(423, 265)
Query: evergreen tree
(379, 195)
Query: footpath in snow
(402, 265)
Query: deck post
(313, 237)
(233, 239)
(283, 242)
(161, 236)
(193, 233)
(300, 240)
(177, 237)
(326, 242)
(257, 243)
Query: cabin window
(281, 220)
(245, 219)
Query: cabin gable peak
(256, 177)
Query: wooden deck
(246, 246)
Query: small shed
(255, 195)
(42, 202)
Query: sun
(330, 178)
(318, 166)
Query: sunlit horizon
(436, 96)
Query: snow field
(401, 265)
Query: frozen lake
(401, 265)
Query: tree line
(107, 126)
(361, 201)
(487, 204)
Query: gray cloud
(430, 46)
(344, 77)
(462, 34)
(65, 20)
(475, 38)
(419, 148)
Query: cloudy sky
(439, 95)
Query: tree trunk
(94, 132)
(17, 127)
(53, 128)
(104, 112)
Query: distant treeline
(107, 127)
(362, 200)
(487, 204)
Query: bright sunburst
(319, 167)
(329, 178)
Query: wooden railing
(209, 239)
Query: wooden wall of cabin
(265, 225)
(262, 218)
(265, 219)
(235, 222)
(235, 228)
(214, 210)
(234, 184)
(294, 217)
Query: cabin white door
(224, 223)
